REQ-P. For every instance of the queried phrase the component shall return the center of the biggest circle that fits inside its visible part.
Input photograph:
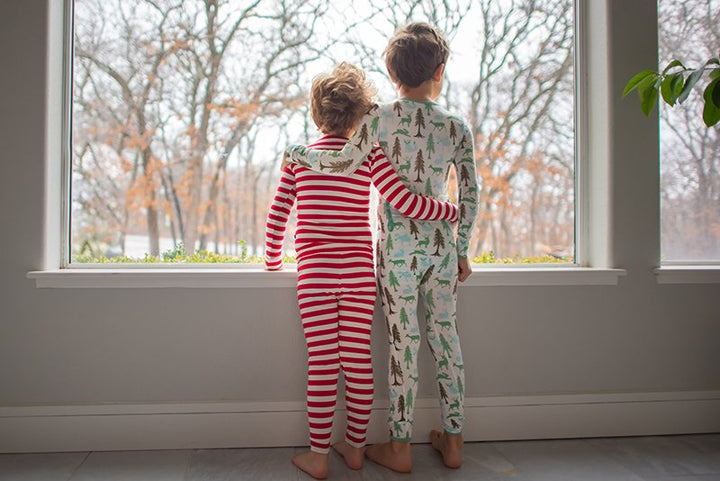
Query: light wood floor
(662, 458)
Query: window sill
(256, 277)
(688, 274)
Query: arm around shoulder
(408, 203)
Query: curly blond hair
(339, 100)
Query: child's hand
(464, 268)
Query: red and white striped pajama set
(336, 278)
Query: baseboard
(273, 424)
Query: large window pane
(182, 108)
(690, 151)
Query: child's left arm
(467, 189)
(345, 161)
(410, 204)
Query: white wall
(69, 348)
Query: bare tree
(188, 84)
(690, 152)
(186, 106)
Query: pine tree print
(396, 150)
(404, 319)
(390, 301)
(464, 175)
(439, 242)
(414, 229)
(419, 122)
(419, 165)
(396, 337)
(408, 357)
(443, 393)
(430, 144)
(463, 141)
(395, 371)
(461, 388)
(374, 125)
(445, 262)
(462, 213)
(413, 265)
(363, 136)
(445, 346)
(428, 188)
(401, 407)
(453, 132)
(397, 107)
(446, 227)
(389, 244)
(393, 281)
(409, 400)
(427, 275)
(454, 424)
(337, 166)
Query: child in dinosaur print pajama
(417, 260)
(336, 279)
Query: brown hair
(340, 99)
(414, 52)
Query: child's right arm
(410, 204)
(277, 219)
(347, 160)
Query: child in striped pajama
(336, 287)
(417, 260)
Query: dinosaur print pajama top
(416, 260)
(336, 287)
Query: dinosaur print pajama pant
(417, 263)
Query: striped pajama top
(333, 211)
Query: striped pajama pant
(336, 295)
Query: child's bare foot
(393, 454)
(450, 446)
(315, 464)
(353, 456)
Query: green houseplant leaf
(674, 87)
(633, 82)
(691, 81)
(674, 63)
(671, 87)
(711, 110)
(648, 99)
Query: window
(690, 151)
(180, 112)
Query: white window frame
(592, 211)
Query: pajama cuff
(315, 449)
(452, 430)
(354, 444)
